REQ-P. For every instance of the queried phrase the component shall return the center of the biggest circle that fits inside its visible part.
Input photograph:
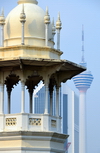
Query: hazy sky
(74, 13)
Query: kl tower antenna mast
(83, 43)
(83, 63)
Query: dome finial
(22, 20)
(2, 12)
(27, 1)
(2, 18)
(47, 22)
(47, 17)
(47, 12)
(22, 15)
(58, 22)
(58, 27)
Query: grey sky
(74, 13)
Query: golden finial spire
(58, 22)
(27, 1)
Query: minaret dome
(34, 27)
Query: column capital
(23, 81)
(58, 85)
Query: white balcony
(29, 122)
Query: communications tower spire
(83, 43)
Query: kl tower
(82, 82)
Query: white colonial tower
(27, 55)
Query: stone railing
(30, 122)
(11, 121)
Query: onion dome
(34, 28)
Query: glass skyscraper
(69, 112)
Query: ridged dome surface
(34, 26)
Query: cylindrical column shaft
(22, 97)
(46, 34)
(51, 103)
(46, 99)
(1, 98)
(57, 101)
(9, 102)
(23, 33)
(82, 122)
(58, 39)
(31, 102)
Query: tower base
(32, 142)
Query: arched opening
(11, 81)
(31, 82)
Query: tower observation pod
(82, 82)
(28, 56)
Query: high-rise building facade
(69, 102)
(70, 118)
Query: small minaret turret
(2, 23)
(47, 22)
(53, 29)
(22, 20)
(58, 27)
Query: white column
(82, 122)
(58, 39)
(1, 98)
(51, 103)
(46, 34)
(9, 101)
(57, 101)
(31, 101)
(46, 99)
(22, 33)
(22, 97)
